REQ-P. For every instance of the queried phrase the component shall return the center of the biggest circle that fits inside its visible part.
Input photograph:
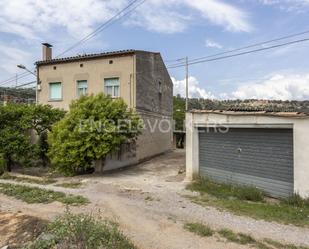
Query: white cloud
(212, 44)
(195, 91)
(223, 14)
(11, 57)
(166, 16)
(287, 5)
(276, 87)
(283, 87)
(31, 18)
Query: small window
(81, 65)
(160, 87)
(55, 67)
(55, 91)
(82, 87)
(111, 62)
(112, 87)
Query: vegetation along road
(155, 209)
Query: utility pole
(187, 83)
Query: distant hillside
(17, 95)
(248, 105)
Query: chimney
(47, 51)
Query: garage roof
(261, 113)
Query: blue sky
(176, 28)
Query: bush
(16, 123)
(2, 164)
(82, 231)
(95, 126)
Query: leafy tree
(14, 134)
(42, 118)
(16, 124)
(179, 112)
(94, 126)
(2, 164)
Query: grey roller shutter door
(259, 157)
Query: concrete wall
(300, 127)
(94, 71)
(150, 72)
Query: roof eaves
(87, 56)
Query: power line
(22, 75)
(106, 24)
(195, 61)
(113, 19)
(251, 45)
(26, 84)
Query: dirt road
(148, 202)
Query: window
(55, 91)
(112, 87)
(160, 87)
(82, 87)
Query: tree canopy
(94, 126)
(16, 123)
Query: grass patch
(279, 245)
(69, 185)
(199, 229)
(39, 195)
(82, 231)
(239, 238)
(43, 181)
(229, 191)
(239, 201)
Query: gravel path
(147, 201)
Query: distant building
(139, 77)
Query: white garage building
(269, 150)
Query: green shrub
(2, 164)
(297, 201)
(90, 131)
(83, 231)
(16, 123)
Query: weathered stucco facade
(145, 86)
(298, 123)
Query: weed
(39, 195)
(83, 231)
(239, 238)
(69, 185)
(279, 245)
(43, 181)
(149, 198)
(224, 191)
(297, 201)
(199, 229)
(294, 210)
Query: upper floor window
(82, 87)
(160, 87)
(55, 91)
(112, 87)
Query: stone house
(139, 77)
